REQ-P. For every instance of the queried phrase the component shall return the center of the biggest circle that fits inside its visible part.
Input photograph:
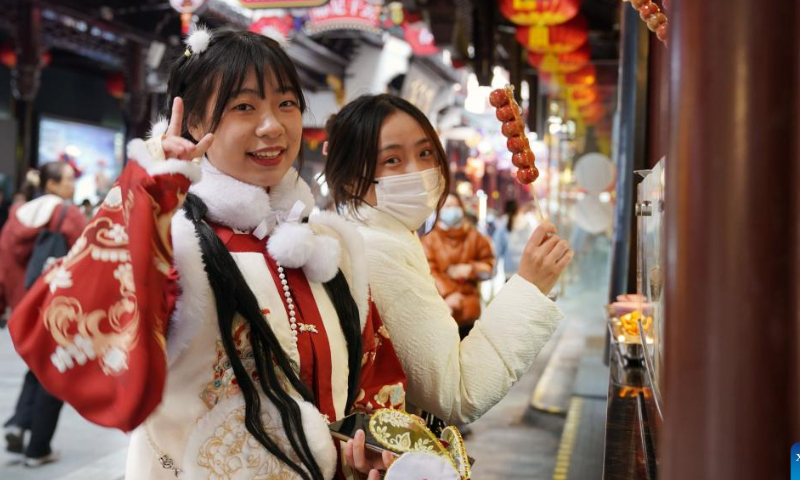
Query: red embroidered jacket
(94, 328)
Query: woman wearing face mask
(459, 257)
(390, 185)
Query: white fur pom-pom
(158, 127)
(198, 40)
(324, 262)
(291, 244)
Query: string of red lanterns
(563, 38)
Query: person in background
(87, 208)
(460, 257)
(511, 236)
(37, 410)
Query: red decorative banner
(420, 38)
(282, 3)
(277, 28)
(345, 15)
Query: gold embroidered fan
(403, 433)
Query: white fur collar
(243, 206)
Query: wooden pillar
(136, 100)
(732, 240)
(26, 78)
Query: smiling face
(403, 148)
(257, 139)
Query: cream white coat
(456, 380)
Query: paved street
(88, 452)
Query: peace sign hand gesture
(174, 145)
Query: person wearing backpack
(36, 233)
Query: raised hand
(174, 145)
(545, 257)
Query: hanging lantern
(583, 96)
(539, 12)
(115, 84)
(585, 76)
(593, 113)
(8, 56)
(561, 63)
(562, 38)
(186, 8)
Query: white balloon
(592, 215)
(594, 172)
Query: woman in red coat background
(36, 410)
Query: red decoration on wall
(344, 15)
(274, 27)
(282, 3)
(563, 38)
(115, 84)
(539, 12)
(8, 56)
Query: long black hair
(221, 70)
(233, 296)
(353, 137)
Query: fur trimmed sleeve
(456, 380)
(92, 328)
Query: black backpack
(49, 244)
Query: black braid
(232, 295)
(347, 310)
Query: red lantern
(583, 96)
(593, 113)
(556, 38)
(8, 56)
(539, 12)
(587, 75)
(561, 63)
(115, 84)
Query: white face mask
(410, 198)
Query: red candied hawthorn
(515, 144)
(498, 98)
(505, 113)
(527, 175)
(523, 159)
(511, 129)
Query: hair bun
(33, 178)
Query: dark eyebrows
(419, 143)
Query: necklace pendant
(168, 464)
